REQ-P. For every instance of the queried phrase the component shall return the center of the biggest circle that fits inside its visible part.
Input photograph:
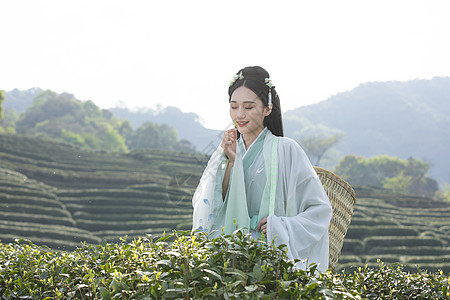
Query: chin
(248, 130)
(242, 130)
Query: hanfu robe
(273, 178)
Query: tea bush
(184, 266)
(361, 232)
(392, 241)
(410, 251)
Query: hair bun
(254, 71)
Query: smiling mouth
(240, 124)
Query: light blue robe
(301, 211)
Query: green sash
(234, 208)
(270, 152)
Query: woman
(260, 180)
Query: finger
(228, 137)
(232, 133)
(258, 228)
(261, 223)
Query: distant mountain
(20, 100)
(403, 119)
(63, 118)
(188, 125)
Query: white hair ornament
(270, 85)
(236, 77)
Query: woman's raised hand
(229, 144)
(262, 226)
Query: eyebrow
(246, 101)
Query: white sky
(183, 53)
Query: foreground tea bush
(184, 267)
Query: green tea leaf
(213, 273)
(257, 272)
(105, 293)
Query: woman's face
(248, 110)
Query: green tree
(10, 117)
(185, 146)
(316, 146)
(383, 167)
(146, 136)
(400, 183)
(63, 118)
(315, 138)
(125, 129)
(91, 109)
(73, 138)
(112, 140)
(444, 194)
(402, 176)
(351, 168)
(153, 136)
(169, 136)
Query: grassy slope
(59, 195)
(397, 229)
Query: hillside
(394, 228)
(187, 125)
(59, 195)
(402, 119)
(63, 118)
(20, 100)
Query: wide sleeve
(207, 198)
(302, 208)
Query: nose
(241, 113)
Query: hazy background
(183, 53)
(366, 81)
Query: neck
(250, 137)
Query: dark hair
(254, 79)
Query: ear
(268, 110)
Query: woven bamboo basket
(342, 198)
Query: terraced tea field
(397, 229)
(58, 195)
